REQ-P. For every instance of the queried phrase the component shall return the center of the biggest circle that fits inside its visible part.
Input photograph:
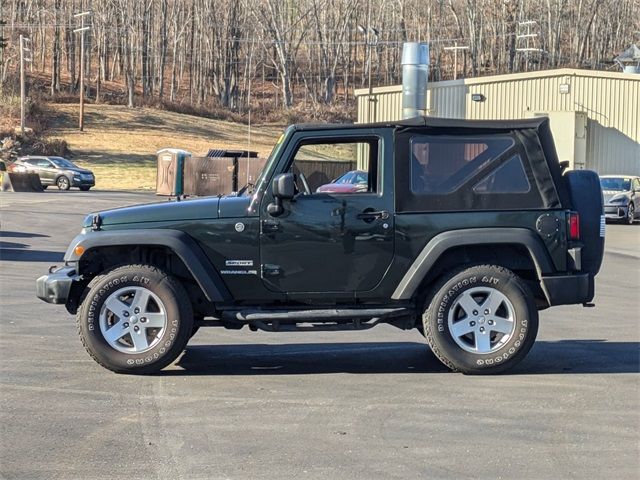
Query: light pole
(81, 30)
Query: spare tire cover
(586, 198)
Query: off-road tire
(179, 319)
(445, 295)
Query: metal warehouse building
(595, 115)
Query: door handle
(370, 216)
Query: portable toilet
(170, 171)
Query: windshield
(268, 164)
(619, 184)
(62, 162)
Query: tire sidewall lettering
(436, 323)
(93, 304)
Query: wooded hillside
(265, 55)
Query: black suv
(465, 230)
(56, 171)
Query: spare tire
(586, 199)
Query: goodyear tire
(481, 320)
(134, 319)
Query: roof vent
(415, 72)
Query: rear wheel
(63, 183)
(134, 319)
(631, 214)
(481, 320)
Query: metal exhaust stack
(415, 72)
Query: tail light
(574, 226)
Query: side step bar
(273, 320)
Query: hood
(78, 170)
(172, 211)
(616, 195)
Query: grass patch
(120, 144)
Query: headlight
(76, 177)
(618, 199)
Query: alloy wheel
(481, 320)
(133, 320)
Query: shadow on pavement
(24, 255)
(307, 358)
(546, 358)
(581, 356)
(21, 235)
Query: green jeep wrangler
(461, 229)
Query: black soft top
(435, 122)
(543, 155)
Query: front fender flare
(470, 236)
(177, 241)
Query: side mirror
(283, 187)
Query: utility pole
(22, 79)
(3, 46)
(455, 49)
(527, 36)
(372, 35)
(81, 30)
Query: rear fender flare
(472, 236)
(184, 246)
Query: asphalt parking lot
(342, 405)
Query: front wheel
(63, 183)
(481, 320)
(134, 319)
(631, 214)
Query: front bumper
(55, 287)
(83, 182)
(615, 212)
(569, 289)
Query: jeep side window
(441, 164)
(509, 177)
(339, 167)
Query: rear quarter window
(486, 171)
(440, 165)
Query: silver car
(56, 171)
(621, 195)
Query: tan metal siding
(610, 100)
